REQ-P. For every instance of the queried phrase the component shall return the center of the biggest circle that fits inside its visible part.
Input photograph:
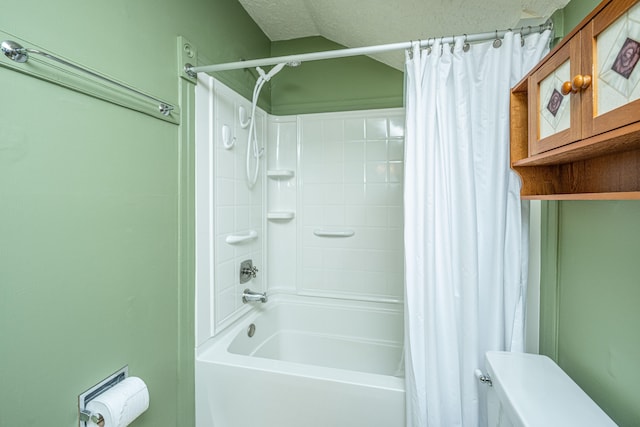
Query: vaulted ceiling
(356, 23)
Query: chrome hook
(466, 46)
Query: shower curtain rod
(368, 50)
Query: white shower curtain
(465, 236)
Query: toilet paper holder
(87, 416)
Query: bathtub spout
(249, 296)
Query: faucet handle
(250, 271)
(247, 271)
(253, 271)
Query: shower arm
(17, 53)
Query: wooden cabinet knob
(567, 88)
(581, 82)
(578, 83)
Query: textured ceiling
(356, 23)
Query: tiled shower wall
(282, 196)
(335, 172)
(225, 206)
(346, 172)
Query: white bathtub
(311, 362)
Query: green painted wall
(598, 296)
(566, 19)
(591, 290)
(96, 235)
(575, 11)
(354, 83)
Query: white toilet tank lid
(534, 391)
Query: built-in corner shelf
(281, 216)
(280, 173)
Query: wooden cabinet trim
(602, 160)
(592, 123)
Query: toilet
(531, 390)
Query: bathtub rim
(215, 350)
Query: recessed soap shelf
(280, 173)
(281, 216)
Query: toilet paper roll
(121, 404)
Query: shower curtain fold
(465, 236)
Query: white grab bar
(238, 238)
(333, 233)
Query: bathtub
(310, 362)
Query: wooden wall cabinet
(575, 118)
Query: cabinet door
(554, 118)
(611, 52)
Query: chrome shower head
(14, 51)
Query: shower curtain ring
(497, 42)
(465, 45)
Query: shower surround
(326, 213)
(346, 194)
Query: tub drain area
(251, 330)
